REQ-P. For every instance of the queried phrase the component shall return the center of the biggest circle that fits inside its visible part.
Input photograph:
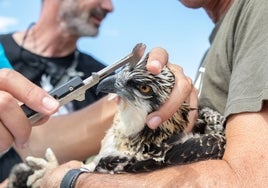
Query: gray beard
(75, 22)
(78, 27)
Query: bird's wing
(196, 148)
(178, 151)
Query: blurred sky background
(182, 31)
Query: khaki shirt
(235, 68)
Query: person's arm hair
(202, 174)
(74, 136)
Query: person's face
(83, 17)
(194, 3)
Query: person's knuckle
(30, 93)
(5, 75)
(189, 80)
(24, 134)
(180, 69)
(6, 143)
(177, 68)
(5, 100)
(73, 163)
(186, 85)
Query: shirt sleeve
(249, 79)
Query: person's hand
(54, 177)
(183, 90)
(4, 183)
(14, 90)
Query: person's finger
(6, 139)
(41, 121)
(54, 176)
(179, 94)
(4, 183)
(158, 58)
(18, 128)
(27, 92)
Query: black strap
(71, 176)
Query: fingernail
(154, 122)
(49, 103)
(156, 64)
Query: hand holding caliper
(75, 88)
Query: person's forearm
(75, 136)
(202, 174)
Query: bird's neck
(130, 123)
(129, 120)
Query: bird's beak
(107, 85)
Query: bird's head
(138, 88)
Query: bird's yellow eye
(145, 89)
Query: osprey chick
(130, 146)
